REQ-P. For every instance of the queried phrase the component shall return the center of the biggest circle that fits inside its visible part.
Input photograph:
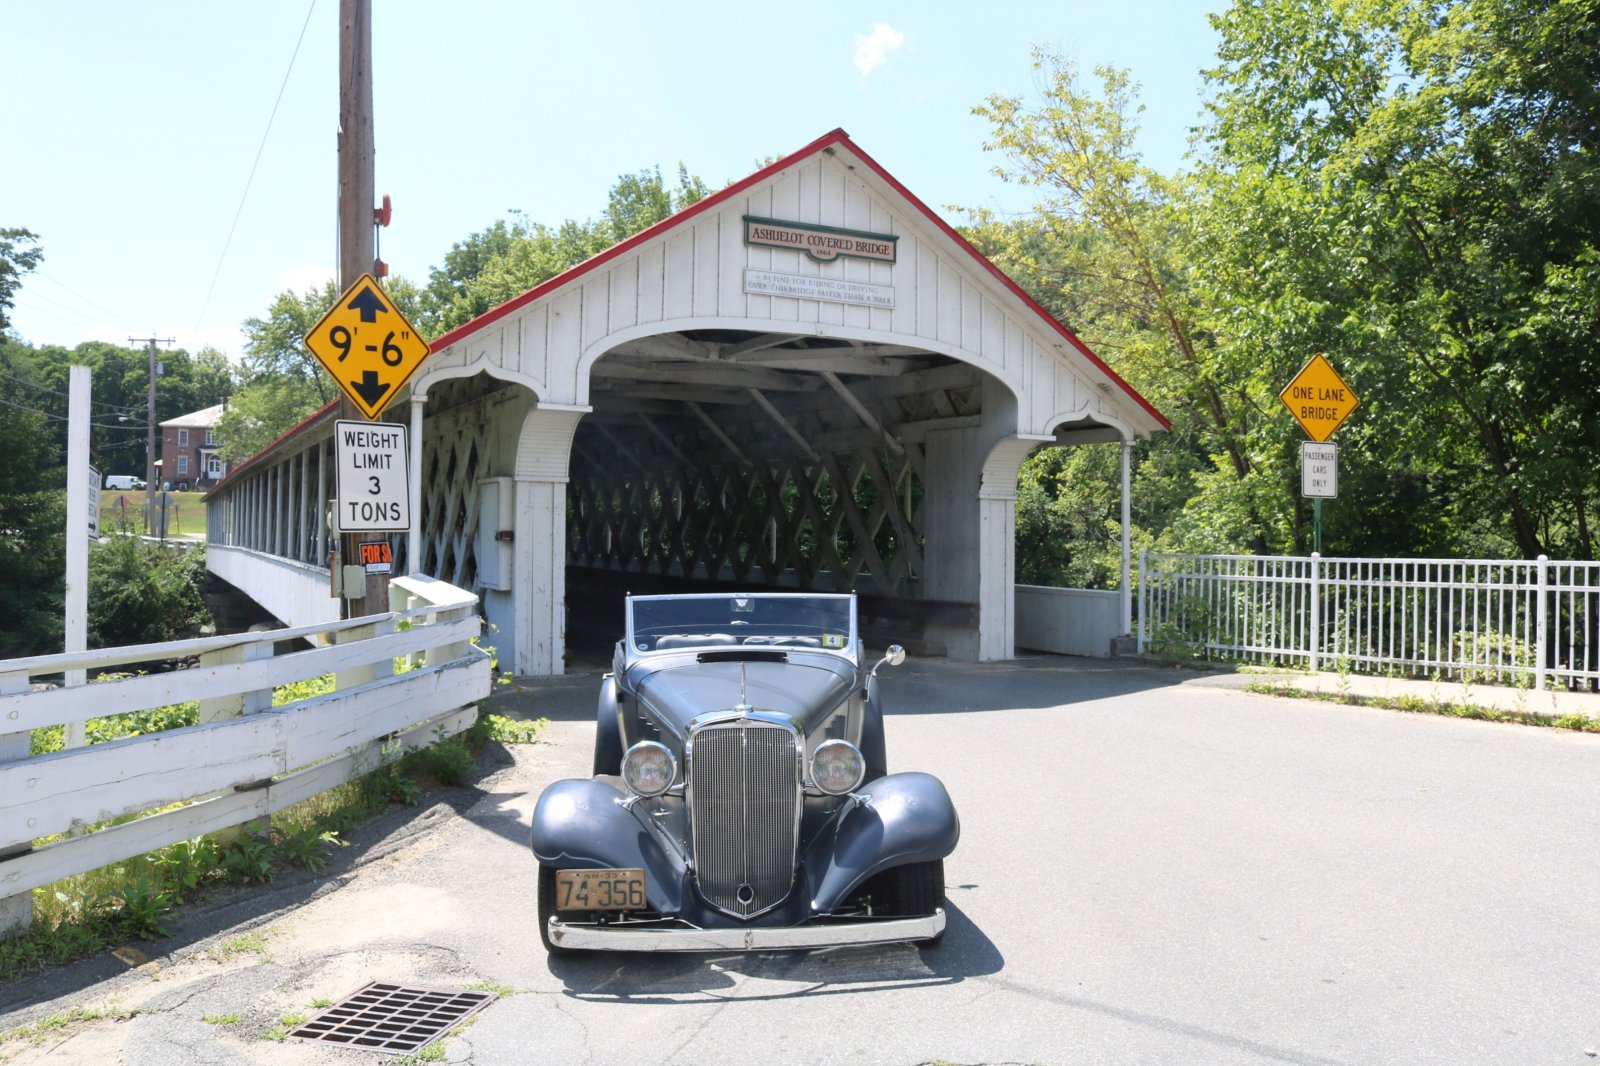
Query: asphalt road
(1154, 867)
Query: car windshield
(771, 619)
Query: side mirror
(894, 655)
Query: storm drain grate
(397, 1019)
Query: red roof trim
(833, 137)
(698, 208)
(1004, 279)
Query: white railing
(246, 758)
(1510, 621)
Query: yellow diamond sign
(1319, 399)
(367, 345)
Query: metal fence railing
(1522, 622)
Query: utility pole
(357, 241)
(150, 480)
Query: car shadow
(652, 979)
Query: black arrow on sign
(369, 388)
(367, 302)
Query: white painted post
(1315, 608)
(236, 705)
(360, 675)
(1541, 635)
(16, 912)
(1127, 537)
(414, 534)
(79, 387)
(1144, 595)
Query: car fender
(582, 824)
(608, 729)
(907, 817)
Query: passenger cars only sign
(374, 488)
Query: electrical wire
(64, 396)
(118, 319)
(248, 181)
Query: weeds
(1579, 723)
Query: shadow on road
(642, 978)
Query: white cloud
(874, 49)
(305, 277)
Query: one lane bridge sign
(374, 492)
(367, 345)
(1319, 399)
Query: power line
(106, 310)
(246, 194)
(64, 396)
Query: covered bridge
(807, 380)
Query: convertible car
(741, 799)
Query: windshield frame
(851, 643)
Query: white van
(124, 481)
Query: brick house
(189, 450)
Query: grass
(138, 898)
(55, 1023)
(1433, 705)
(220, 1019)
(186, 513)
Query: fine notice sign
(1318, 398)
(374, 484)
(1319, 470)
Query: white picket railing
(1511, 621)
(246, 758)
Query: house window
(183, 465)
(183, 438)
(213, 467)
(211, 437)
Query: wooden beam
(716, 431)
(758, 344)
(680, 394)
(794, 434)
(715, 374)
(666, 440)
(862, 413)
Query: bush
(143, 593)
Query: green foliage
(507, 259)
(32, 519)
(140, 909)
(143, 593)
(187, 865)
(18, 256)
(305, 846)
(248, 860)
(447, 761)
(506, 730)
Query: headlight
(837, 767)
(648, 769)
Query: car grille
(744, 792)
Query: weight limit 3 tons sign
(374, 482)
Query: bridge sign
(367, 345)
(374, 478)
(1319, 399)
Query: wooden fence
(246, 758)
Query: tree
(507, 259)
(32, 522)
(17, 258)
(1415, 189)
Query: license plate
(600, 890)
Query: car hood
(806, 691)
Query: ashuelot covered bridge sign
(807, 380)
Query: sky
(177, 159)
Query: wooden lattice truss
(762, 459)
(457, 454)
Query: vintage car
(741, 799)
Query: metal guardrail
(1519, 622)
(246, 758)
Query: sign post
(369, 348)
(1320, 401)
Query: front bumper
(752, 938)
